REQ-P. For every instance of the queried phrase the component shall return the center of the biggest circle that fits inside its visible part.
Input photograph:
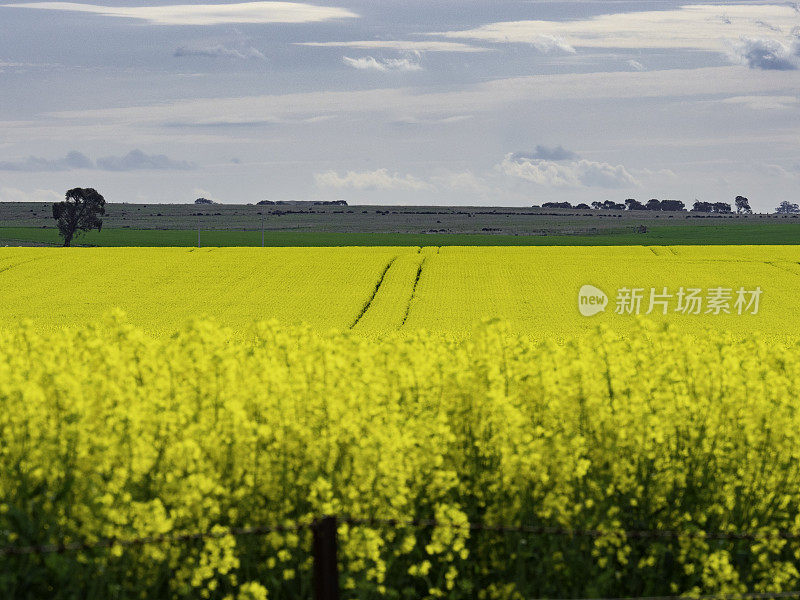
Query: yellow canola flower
(108, 432)
(378, 291)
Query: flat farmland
(319, 225)
(379, 290)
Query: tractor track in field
(24, 262)
(413, 292)
(368, 303)
(782, 268)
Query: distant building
(303, 203)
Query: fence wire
(65, 546)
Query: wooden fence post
(326, 563)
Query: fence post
(326, 564)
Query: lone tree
(82, 210)
(743, 205)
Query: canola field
(378, 290)
(586, 394)
(106, 433)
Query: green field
(735, 233)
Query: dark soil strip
(413, 292)
(374, 293)
(777, 266)
(24, 262)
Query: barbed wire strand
(567, 532)
(743, 596)
(61, 547)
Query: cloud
(73, 160)
(765, 102)
(576, 173)
(134, 160)
(763, 53)
(432, 120)
(600, 174)
(636, 65)
(219, 51)
(205, 14)
(146, 123)
(545, 153)
(19, 66)
(16, 195)
(247, 123)
(792, 172)
(381, 179)
(660, 173)
(698, 27)
(369, 63)
(766, 25)
(551, 43)
(464, 181)
(399, 45)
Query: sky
(456, 102)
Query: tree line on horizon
(741, 203)
(654, 204)
(84, 208)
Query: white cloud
(701, 27)
(150, 124)
(481, 96)
(10, 65)
(433, 120)
(399, 45)
(381, 179)
(547, 43)
(792, 172)
(206, 14)
(660, 173)
(464, 181)
(543, 172)
(219, 51)
(600, 174)
(266, 120)
(763, 53)
(8, 194)
(636, 65)
(576, 173)
(768, 26)
(369, 63)
(765, 102)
